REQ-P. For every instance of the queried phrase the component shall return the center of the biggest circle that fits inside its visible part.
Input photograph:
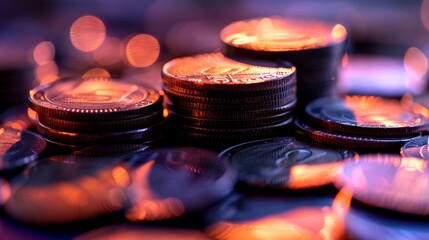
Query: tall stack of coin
(315, 47)
(216, 100)
(363, 122)
(97, 110)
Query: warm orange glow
(43, 53)
(424, 14)
(370, 110)
(142, 50)
(416, 65)
(165, 113)
(338, 33)
(5, 191)
(304, 176)
(109, 52)
(300, 223)
(342, 201)
(120, 175)
(147, 205)
(32, 114)
(281, 34)
(345, 60)
(47, 73)
(96, 72)
(87, 33)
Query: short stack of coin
(315, 47)
(215, 100)
(97, 110)
(363, 122)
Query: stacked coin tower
(97, 110)
(363, 122)
(316, 49)
(216, 100)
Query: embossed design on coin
(286, 162)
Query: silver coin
(286, 162)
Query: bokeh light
(44, 53)
(142, 50)
(87, 33)
(424, 14)
(416, 66)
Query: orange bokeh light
(44, 53)
(47, 73)
(416, 64)
(142, 50)
(87, 33)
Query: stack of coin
(215, 100)
(97, 110)
(363, 122)
(315, 47)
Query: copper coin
(96, 98)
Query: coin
(269, 217)
(209, 93)
(172, 95)
(169, 182)
(215, 72)
(373, 225)
(127, 124)
(142, 134)
(351, 140)
(277, 34)
(224, 123)
(286, 162)
(387, 181)
(136, 232)
(369, 116)
(232, 115)
(53, 191)
(260, 106)
(417, 147)
(96, 98)
(18, 148)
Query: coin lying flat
(276, 34)
(292, 163)
(216, 72)
(147, 133)
(369, 116)
(215, 123)
(18, 148)
(318, 134)
(232, 115)
(58, 190)
(168, 182)
(96, 98)
(101, 126)
(268, 217)
(289, 94)
(417, 147)
(137, 232)
(388, 181)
